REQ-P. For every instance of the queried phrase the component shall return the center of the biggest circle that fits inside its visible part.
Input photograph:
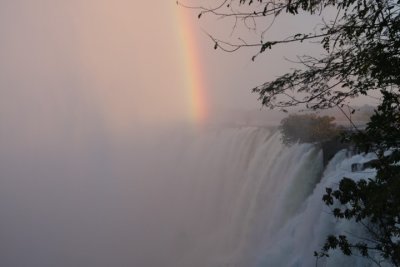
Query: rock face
(356, 167)
(331, 147)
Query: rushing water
(222, 197)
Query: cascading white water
(222, 197)
(255, 202)
(242, 185)
(307, 230)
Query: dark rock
(356, 167)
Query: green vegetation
(362, 54)
(373, 203)
(308, 128)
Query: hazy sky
(114, 62)
(83, 61)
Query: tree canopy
(361, 44)
(308, 128)
(374, 203)
(362, 54)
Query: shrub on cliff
(308, 128)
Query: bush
(308, 128)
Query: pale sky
(114, 62)
(80, 62)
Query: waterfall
(230, 196)
(256, 202)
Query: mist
(83, 85)
(102, 164)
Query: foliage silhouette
(308, 128)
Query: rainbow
(192, 66)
